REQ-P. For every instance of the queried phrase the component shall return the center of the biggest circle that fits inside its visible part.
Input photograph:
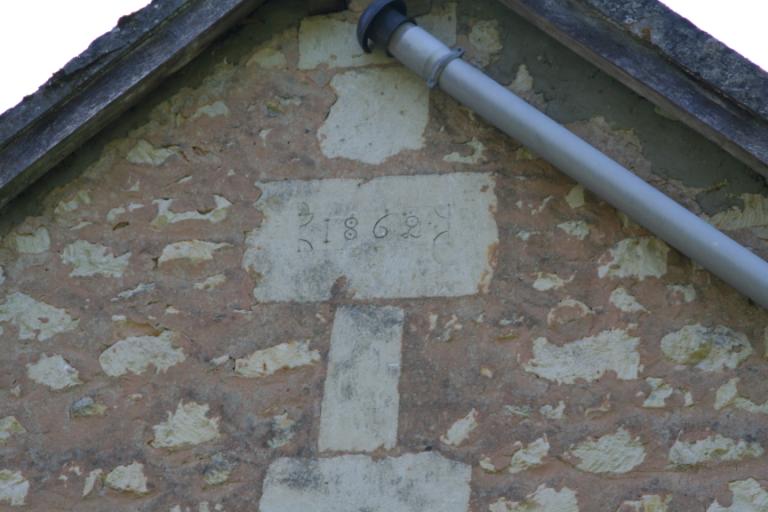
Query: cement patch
(441, 23)
(379, 113)
(425, 482)
(332, 41)
(390, 237)
(361, 400)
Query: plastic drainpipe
(385, 23)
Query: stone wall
(298, 278)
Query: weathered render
(233, 300)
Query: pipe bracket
(439, 66)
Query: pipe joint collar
(379, 22)
(439, 65)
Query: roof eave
(670, 74)
(117, 71)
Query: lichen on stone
(210, 283)
(636, 257)
(727, 396)
(35, 319)
(707, 348)
(575, 197)
(9, 426)
(54, 372)
(90, 481)
(115, 213)
(188, 425)
(610, 454)
(621, 144)
(65, 206)
(136, 353)
(546, 281)
(647, 503)
(192, 250)
(626, 302)
(282, 431)
(475, 157)
(576, 228)
(753, 214)
(88, 259)
(139, 289)
(33, 242)
(553, 412)
(165, 216)
(485, 40)
(682, 293)
(568, 310)
(218, 470)
(129, 479)
(280, 357)
(461, 429)
(523, 82)
(712, 449)
(85, 407)
(13, 488)
(543, 499)
(144, 153)
(588, 358)
(748, 496)
(268, 58)
(215, 109)
(660, 391)
(530, 456)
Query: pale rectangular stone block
(389, 237)
(361, 401)
(424, 482)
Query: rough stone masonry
(298, 279)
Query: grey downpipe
(386, 24)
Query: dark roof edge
(669, 61)
(115, 72)
(98, 57)
(699, 54)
